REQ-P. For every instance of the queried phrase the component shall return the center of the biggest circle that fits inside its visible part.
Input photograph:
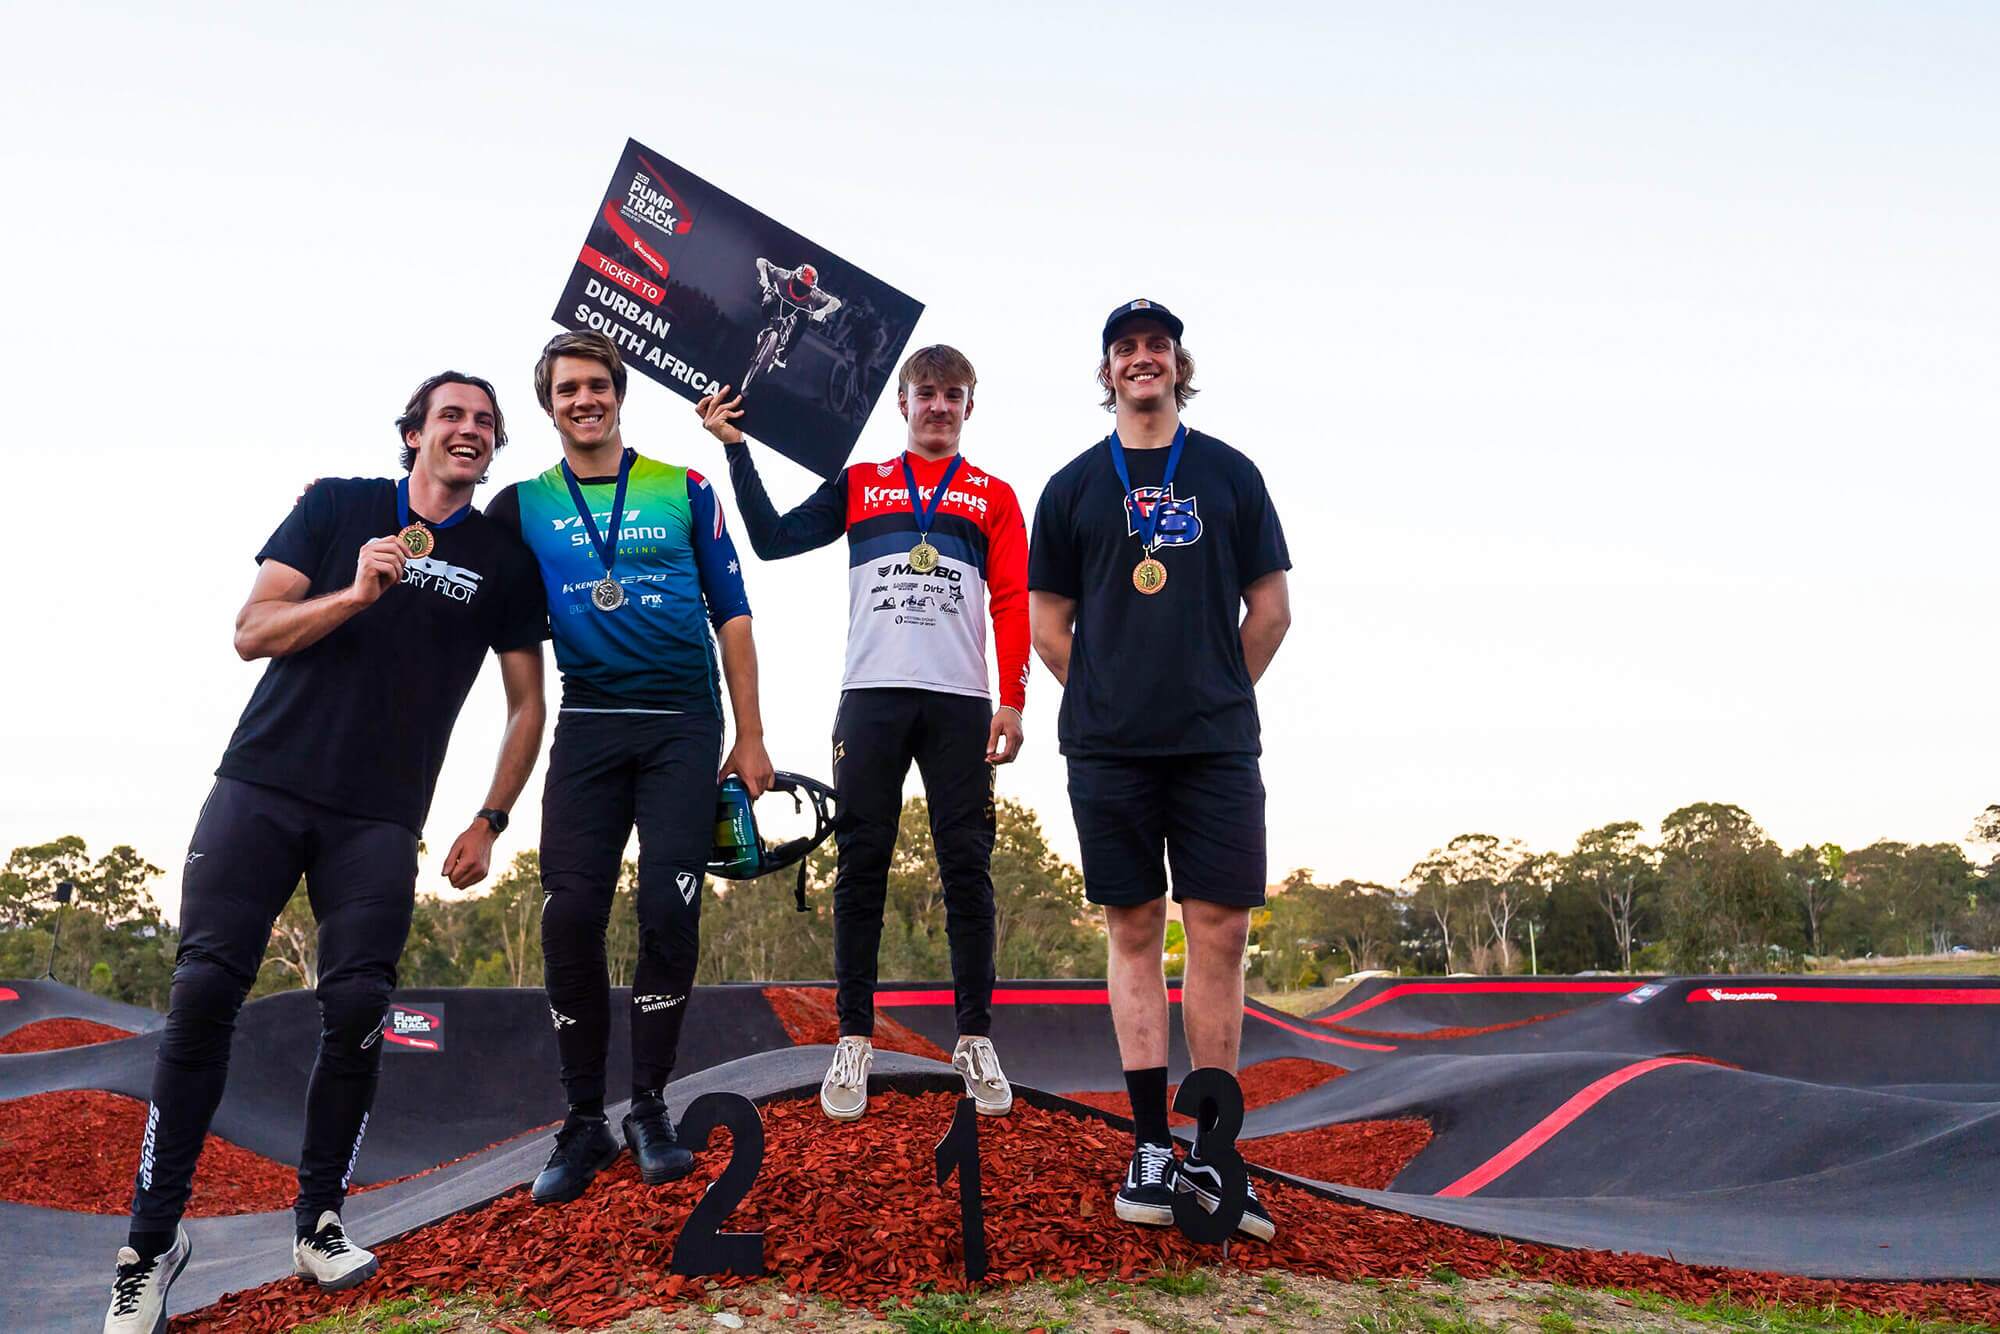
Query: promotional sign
(699, 290)
(406, 1028)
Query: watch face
(498, 819)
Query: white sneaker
(139, 1292)
(843, 1094)
(329, 1259)
(985, 1082)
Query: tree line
(1714, 894)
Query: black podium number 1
(700, 1249)
(958, 1152)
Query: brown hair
(1183, 379)
(938, 363)
(418, 411)
(589, 346)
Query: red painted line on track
(1847, 995)
(1481, 989)
(1555, 1122)
(8, 993)
(1098, 996)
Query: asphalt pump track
(1830, 1128)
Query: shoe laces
(846, 1071)
(331, 1240)
(131, 1280)
(1154, 1160)
(569, 1136)
(982, 1065)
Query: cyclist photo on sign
(788, 293)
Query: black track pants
(250, 847)
(608, 772)
(875, 736)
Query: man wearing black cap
(1157, 596)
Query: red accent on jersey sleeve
(1007, 592)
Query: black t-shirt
(359, 721)
(1159, 674)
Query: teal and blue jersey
(676, 564)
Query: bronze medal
(923, 557)
(417, 540)
(1149, 576)
(606, 595)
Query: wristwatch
(496, 818)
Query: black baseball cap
(1140, 309)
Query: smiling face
(1139, 365)
(936, 412)
(455, 443)
(583, 403)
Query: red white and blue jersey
(910, 630)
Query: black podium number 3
(958, 1152)
(700, 1249)
(1215, 1100)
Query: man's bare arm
(747, 759)
(1267, 614)
(1052, 627)
(278, 618)
(471, 854)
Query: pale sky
(1624, 374)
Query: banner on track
(699, 290)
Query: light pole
(63, 891)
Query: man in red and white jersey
(935, 546)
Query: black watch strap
(496, 818)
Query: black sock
(645, 1101)
(1148, 1091)
(151, 1245)
(590, 1109)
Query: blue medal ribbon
(403, 509)
(1148, 521)
(606, 547)
(926, 515)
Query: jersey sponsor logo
(1179, 524)
(901, 567)
(654, 1004)
(442, 577)
(689, 883)
(898, 497)
(886, 604)
(602, 518)
(884, 469)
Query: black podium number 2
(1215, 1100)
(700, 1249)
(958, 1152)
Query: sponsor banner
(1643, 994)
(1850, 995)
(406, 1028)
(699, 290)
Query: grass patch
(1191, 1283)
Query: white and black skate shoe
(329, 1259)
(139, 1292)
(1148, 1193)
(1206, 1183)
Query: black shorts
(1205, 812)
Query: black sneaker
(1148, 1193)
(583, 1149)
(649, 1134)
(1206, 1183)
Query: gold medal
(1149, 576)
(923, 557)
(606, 595)
(417, 540)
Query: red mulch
(56, 1034)
(1263, 1084)
(810, 1020)
(851, 1212)
(1437, 1034)
(78, 1150)
(1368, 1154)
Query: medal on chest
(607, 594)
(1149, 576)
(924, 557)
(415, 534)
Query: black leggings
(251, 845)
(607, 772)
(875, 736)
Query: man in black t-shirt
(376, 602)
(1156, 595)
